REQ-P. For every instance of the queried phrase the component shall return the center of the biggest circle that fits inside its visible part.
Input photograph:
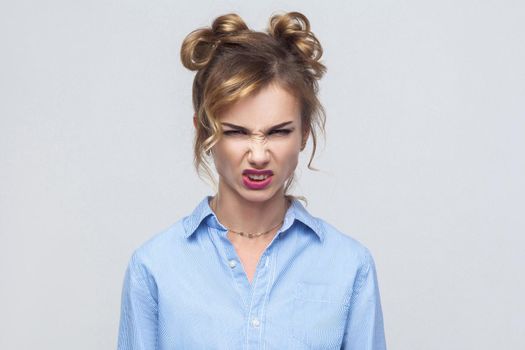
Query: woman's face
(260, 133)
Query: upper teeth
(258, 177)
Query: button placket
(260, 289)
(231, 261)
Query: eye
(281, 131)
(233, 132)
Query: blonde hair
(233, 62)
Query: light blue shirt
(314, 288)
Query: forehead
(269, 106)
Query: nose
(258, 155)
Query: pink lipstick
(262, 178)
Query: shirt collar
(296, 210)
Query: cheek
(225, 156)
(289, 155)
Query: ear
(195, 120)
(306, 133)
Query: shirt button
(232, 263)
(255, 322)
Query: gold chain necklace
(244, 234)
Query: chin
(260, 195)
(257, 196)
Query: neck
(239, 214)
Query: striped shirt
(314, 288)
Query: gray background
(423, 161)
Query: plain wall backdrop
(424, 151)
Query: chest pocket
(319, 316)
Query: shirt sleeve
(138, 312)
(364, 329)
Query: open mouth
(256, 182)
(258, 178)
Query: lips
(257, 172)
(256, 184)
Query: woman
(250, 267)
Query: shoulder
(159, 246)
(345, 246)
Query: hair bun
(199, 46)
(231, 23)
(293, 29)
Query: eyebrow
(238, 127)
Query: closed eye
(234, 132)
(281, 131)
(273, 132)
